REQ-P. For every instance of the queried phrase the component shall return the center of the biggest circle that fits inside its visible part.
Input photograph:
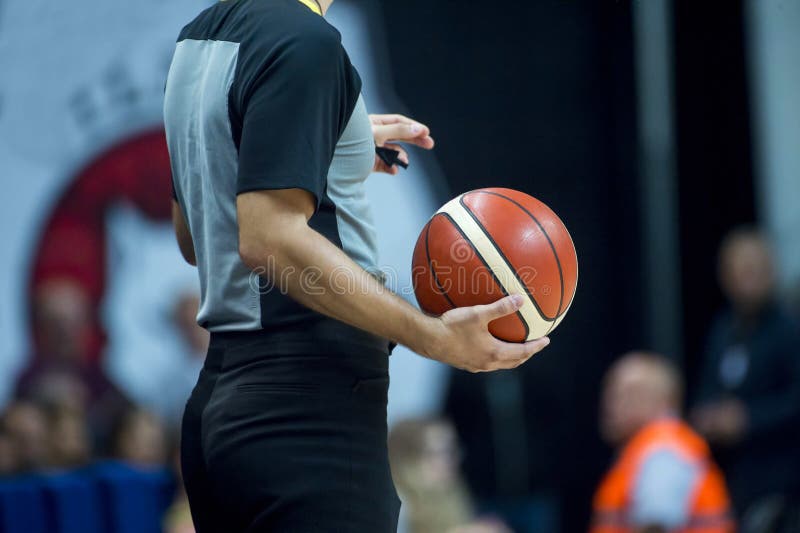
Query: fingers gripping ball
(490, 243)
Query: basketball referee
(270, 145)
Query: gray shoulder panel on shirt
(204, 168)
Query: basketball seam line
(430, 266)
(488, 268)
(492, 257)
(513, 270)
(467, 225)
(555, 254)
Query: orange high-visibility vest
(710, 505)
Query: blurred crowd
(473, 468)
(67, 414)
(720, 448)
(746, 400)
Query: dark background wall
(714, 149)
(540, 97)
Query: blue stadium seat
(134, 500)
(109, 497)
(73, 503)
(22, 506)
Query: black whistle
(389, 156)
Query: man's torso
(220, 57)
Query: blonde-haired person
(424, 455)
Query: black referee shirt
(261, 95)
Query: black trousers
(288, 442)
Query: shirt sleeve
(663, 489)
(293, 113)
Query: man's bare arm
(182, 234)
(276, 240)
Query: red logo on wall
(73, 243)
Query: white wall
(81, 76)
(77, 77)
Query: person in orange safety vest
(664, 479)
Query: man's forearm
(276, 241)
(316, 273)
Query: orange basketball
(489, 243)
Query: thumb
(502, 307)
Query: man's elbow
(249, 253)
(257, 253)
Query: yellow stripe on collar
(312, 5)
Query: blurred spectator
(664, 478)
(140, 439)
(59, 373)
(425, 467)
(185, 316)
(747, 401)
(26, 425)
(182, 376)
(70, 444)
(9, 462)
(196, 342)
(35, 437)
(178, 518)
(61, 318)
